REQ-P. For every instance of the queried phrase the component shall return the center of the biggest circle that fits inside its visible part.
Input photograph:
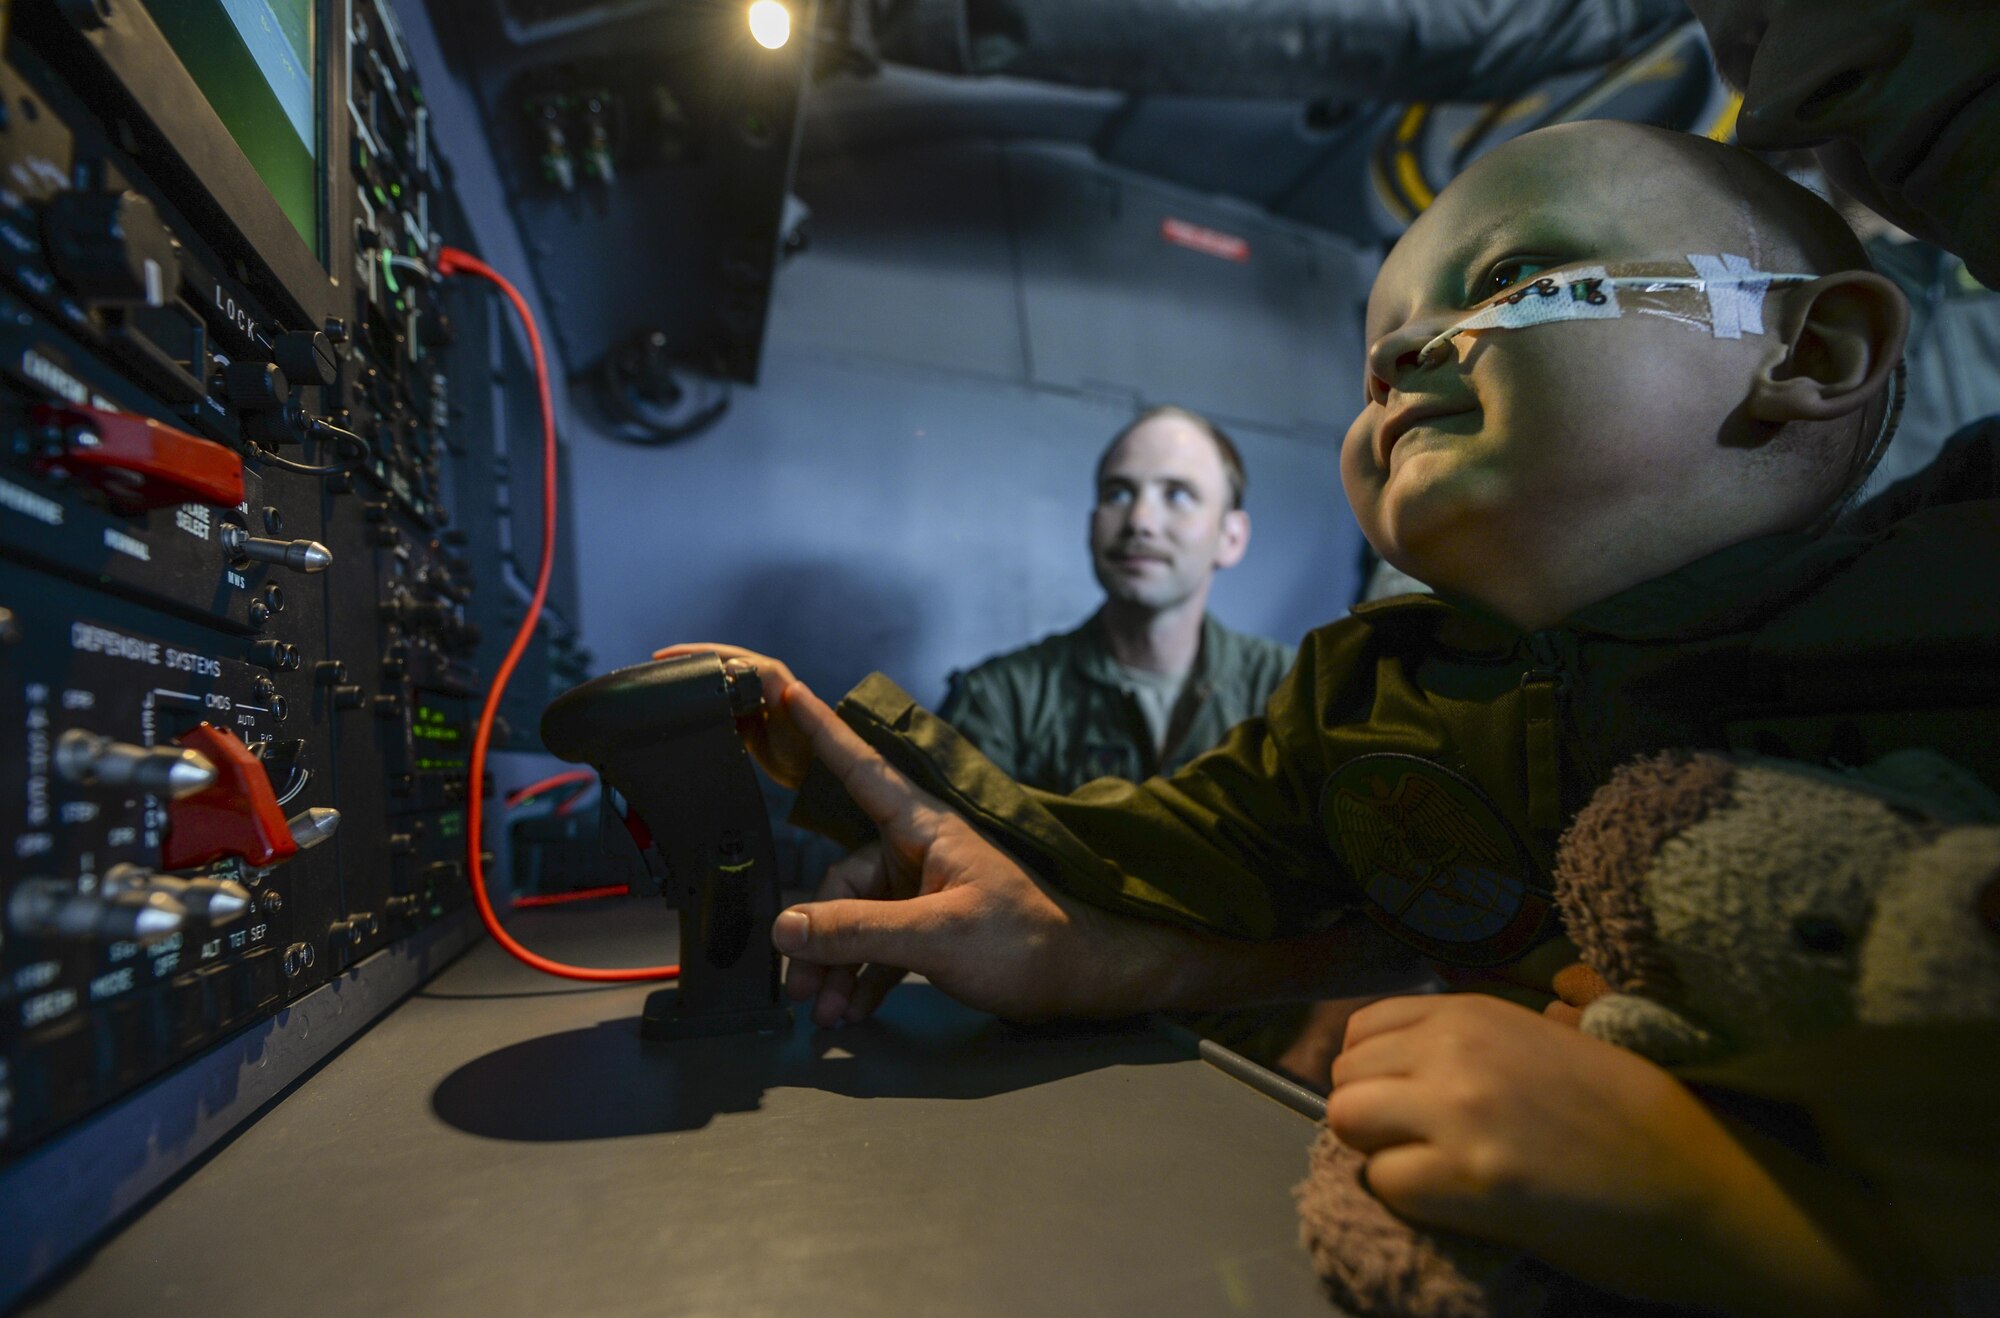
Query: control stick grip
(663, 736)
(639, 707)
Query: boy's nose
(1395, 355)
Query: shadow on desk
(606, 1083)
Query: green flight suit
(1420, 761)
(1059, 713)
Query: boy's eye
(1505, 274)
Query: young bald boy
(1619, 382)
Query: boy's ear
(1837, 340)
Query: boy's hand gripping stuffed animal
(1727, 905)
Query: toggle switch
(274, 704)
(278, 656)
(238, 816)
(46, 908)
(91, 760)
(356, 928)
(314, 825)
(299, 958)
(212, 901)
(138, 462)
(299, 555)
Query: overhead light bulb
(770, 24)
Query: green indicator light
(395, 189)
(389, 274)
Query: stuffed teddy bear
(1718, 904)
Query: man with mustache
(1150, 680)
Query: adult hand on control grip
(934, 897)
(775, 741)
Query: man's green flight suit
(1060, 712)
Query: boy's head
(1536, 470)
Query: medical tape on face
(1734, 288)
(1735, 292)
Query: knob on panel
(238, 816)
(255, 386)
(111, 247)
(306, 357)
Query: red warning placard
(1210, 242)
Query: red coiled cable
(452, 261)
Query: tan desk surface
(504, 1144)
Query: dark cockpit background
(994, 271)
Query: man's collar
(1092, 654)
(1093, 657)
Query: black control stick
(663, 735)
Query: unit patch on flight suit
(1438, 864)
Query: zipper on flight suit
(1541, 691)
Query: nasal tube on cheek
(1733, 287)
(1734, 290)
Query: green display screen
(440, 737)
(257, 62)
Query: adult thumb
(856, 931)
